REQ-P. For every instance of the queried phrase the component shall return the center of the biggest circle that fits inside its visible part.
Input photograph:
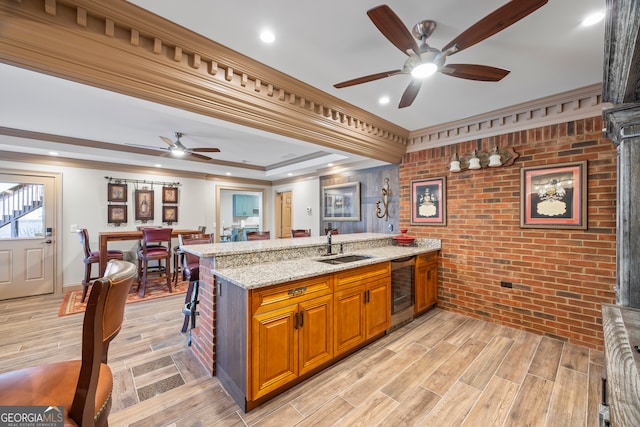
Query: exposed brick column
(203, 342)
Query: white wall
(84, 203)
(303, 194)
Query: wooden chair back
(83, 234)
(300, 233)
(102, 322)
(258, 235)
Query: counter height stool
(156, 246)
(332, 230)
(191, 272)
(258, 235)
(92, 257)
(83, 388)
(300, 233)
(178, 255)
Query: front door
(27, 249)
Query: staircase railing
(20, 200)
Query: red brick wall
(560, 277)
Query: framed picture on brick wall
(429, 201)
(554, 196)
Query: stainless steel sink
(344, 259)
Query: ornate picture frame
(169, 194)
(341, 202)
(554, 196)
(116, 214)
(429, 201)
(144, 205)
(169, 214)
(117, 193)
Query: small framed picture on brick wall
(429, 201)
(554, 196)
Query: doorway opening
(238, 210)
(283, 215)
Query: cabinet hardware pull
(296, 324)
(429, 275)
(297, 291)
(302, 318)
(364, 296)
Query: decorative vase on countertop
(403, 239)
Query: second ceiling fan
(425, 60)
(177, 148)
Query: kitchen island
(275, 312)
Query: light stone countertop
(255, 264)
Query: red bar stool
(92, 257)
(155, 246)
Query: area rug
(156, 289)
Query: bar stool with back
(258, 235)
(92, 257)
(155, 246)
(191, 272)
(82, 387)
(300, 233)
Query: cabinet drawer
(427, 258)
(277, 296)
(362, 275)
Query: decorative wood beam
(122, 42)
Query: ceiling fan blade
(198, 156)
(494, 22)
(392, 27)
(366, 79)
(410, 93)
(169, 142)
(482, 73)
(205, 150)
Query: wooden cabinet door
(377, 307)
(274, 350)
(426, 286)
(315, 329)
(349, 319)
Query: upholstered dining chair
(300, 233)
(82, 387)
(258, 235)
(191, 272)
(155, 246)
(92, 257)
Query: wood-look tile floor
(443, 369)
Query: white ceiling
(319, 43)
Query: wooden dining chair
(156, 246)
(92, 257)
(300, 233)
(83, 388)
(258, 235)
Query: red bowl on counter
(403, 239)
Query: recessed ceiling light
(267, 36)
(53, 153)
(228, 173)
(593, 19)
(158, 165)
(329, 164)
(289, 174)
(384, 100)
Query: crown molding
(118, 46)
(567, 106)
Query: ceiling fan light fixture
(177, 152)
(424, 70)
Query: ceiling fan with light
(178, 149)
(425, 60)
